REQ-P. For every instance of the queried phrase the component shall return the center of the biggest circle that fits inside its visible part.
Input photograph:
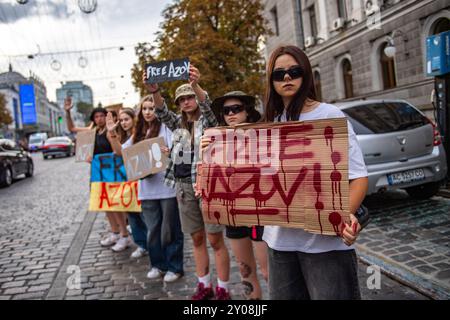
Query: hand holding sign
(194, 75)
(151, 87)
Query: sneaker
(155, 273)
(110, 240)
(203, 293)
(138, 253)
(222, 294)
(171, 276)
(121, 244)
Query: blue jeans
(318, 276)
(164, 238)
(138, 229)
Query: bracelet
(363, 216)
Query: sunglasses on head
(235, 108)
(294, 73)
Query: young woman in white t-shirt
(303, 265)
(159, 204)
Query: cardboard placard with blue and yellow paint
(110, 190)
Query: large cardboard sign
(293, 174)
(170, 70)
(144, 158)
(110, 188)
(85, 145)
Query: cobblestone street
(410, 239)
(46, 230)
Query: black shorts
(255, 233)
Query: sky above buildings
(63, 41)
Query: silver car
(401, 146)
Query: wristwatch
(363, 216)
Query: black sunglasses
(235, 108)
(294, 73)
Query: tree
(5, 115)
(221, 37)
(85, 109)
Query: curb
(391, 269)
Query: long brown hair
(143, 127)
(123, 136)
(189, 125)
(273, 101)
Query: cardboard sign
(110, 188)
(144, 158)
(114, 196)
(169, 70)
(85, 145)
(291, 174)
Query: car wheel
(45, 157)
(424, 191)
(6, 179)
(30, 170)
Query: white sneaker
(155, 273)
(138, 253)
(109, 240)
(171, 277)
(122, 244)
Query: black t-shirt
(102, 144)
(183, 170)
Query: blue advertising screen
(27, 104)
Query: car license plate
(406, 176)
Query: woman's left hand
(351, 232)
(194, 75)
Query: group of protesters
(296, 264)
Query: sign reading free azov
(170, 70)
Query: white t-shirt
(290, 239)
(153, 187)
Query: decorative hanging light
(82, 62)
(87, 6)
(22, 1)
(55, 65)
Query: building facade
(362, 49)
(44, 113)
(79, 93)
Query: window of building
(274, 14)
(348, 78)
(318, 85)
(342, 9)
(313, 21)
(442, 25)
(387, 69)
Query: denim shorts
(329, 275)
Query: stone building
(346, 41)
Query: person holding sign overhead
(158, 202)
(117, 220)
(303, 265)
(196, 115)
